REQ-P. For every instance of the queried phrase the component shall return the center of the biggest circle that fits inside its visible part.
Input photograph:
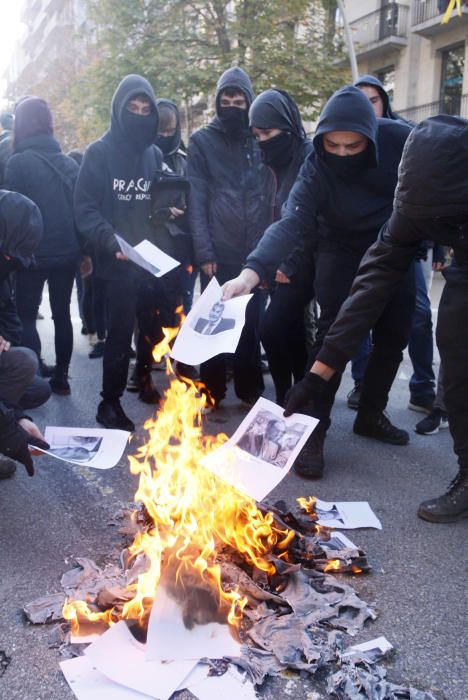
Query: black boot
(451, 506)
(59, 382)
(148, 392)
(375, 424)
(98, 350)
(111, 415)
(354, 396)
(310, 462)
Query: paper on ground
(211, 327)
(337, 541)
(119, 656)
(169, 639)
(90, 447)
(262, 450)
(232, 684)
(379, 646)
(347, 515)
(88, 684)
(148, 256)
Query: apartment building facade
(421, 62)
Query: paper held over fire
(148, 256)
(90, 447)
(262, 450)
(211, 327)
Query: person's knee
(36, 394)
(20, 362)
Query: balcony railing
(424, 10)
(457, 106)
(390, 20)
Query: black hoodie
(231, 190)
(112, 191)
(276, 109)
(172, 148)
(431, 202)
(339, 210)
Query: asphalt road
(419, 569)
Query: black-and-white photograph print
(77, 448)
(215, 323)
(270, 438)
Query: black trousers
(452, 341)
(94, 305)
(283, 335)
(248, 378)
(29, 286)
(334, 274)
(129, 299)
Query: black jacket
(338, 209)
(6, 150)
(231, 190)
(431, 202)
(39, 170)
(112, 191)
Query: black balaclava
(134, 129)
(275, 109)
(168, 144)
(234, 119)
(348, 109)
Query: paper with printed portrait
(211, 327)
(91, 447)
(262, 450)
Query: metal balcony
(426, 19)
(381, 31)
(457, 106)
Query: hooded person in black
(277, 125)
(20, 234)
(230, 206)
(431, 202)
(112, 196)
(342, 197)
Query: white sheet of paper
(118, 656)
(169, 639)
(343, 541)
(90, 447)
(148, 256)
(380, 643)
(211, 327)
(88, 684)
(346, 514)
(262, 450)
(232, 684)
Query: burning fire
(194, 515)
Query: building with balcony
(420, 61)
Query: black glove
(301, 393)
(14, 441)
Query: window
(387, 78)
(451, 82)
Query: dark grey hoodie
(112, 191)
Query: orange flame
(195, 514)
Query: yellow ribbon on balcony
(450, 8)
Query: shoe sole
(113, 427)
(419, 409)
(442, 426)
(433, 518)
(402, 441)
(353, 407)
(308, 475)
(61, 392)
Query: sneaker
(310, 462)
(449, 507)
(431, 424)
(148, 392)
(7, 467)
(421, 405)
(98, 350)
(59, 382)
(354, 396)
(110, 414)
(376, 425)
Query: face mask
(347, 166)
(167, 144)
(277, 150)
(234, 119)
(140, 130)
